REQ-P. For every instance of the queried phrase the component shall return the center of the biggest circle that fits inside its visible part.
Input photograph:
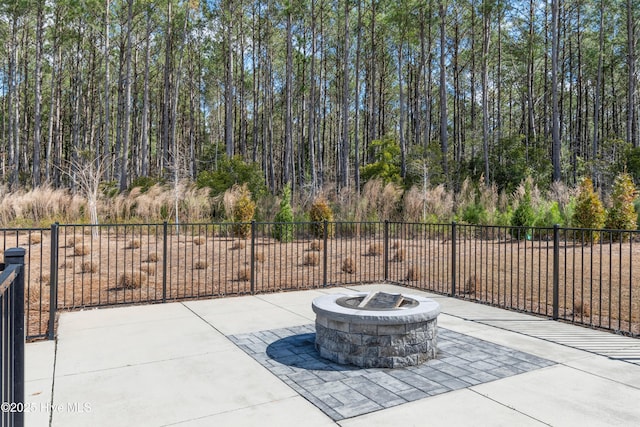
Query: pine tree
(589, 212)
(622, 215)
(283, 229)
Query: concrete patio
(204, 363)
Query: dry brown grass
(35, 239)
(413, 273)
(133, 244)
(316, 245)
(238, 244)
(259, 256)
(399, 256)
(88, 267)
(152, 257)
(201, 264)
(394, 244)
(244, 274)
(199, 240)
(81, 250)
(311, 259)
(132, 280)
(349, 265)
(375, 249)
(148, 269)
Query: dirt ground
(599, 285)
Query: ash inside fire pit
(376, 329)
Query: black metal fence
(12, 337)
(582, 276)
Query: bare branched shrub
(201, 264)
(132, 280)
(152, 257)
(199, 240)
(238, 244)
(88, 267)
(349, 265)
(375, 249)
(133, 244)
(316, 245)
(311, 259)
(399, 256)
(148, 269)
(413, 273)
(259, 256)
(81, 250)
(472, 284)
(244, 274)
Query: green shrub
(283, 229)
(475, 214)
(622, 215)
(321, 211)
(588, 211)
(523, 216)
(230, 172)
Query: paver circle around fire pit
(376, 330)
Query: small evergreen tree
(524, 215)
(622, 215)
(321, 211)
(243, 212)
(283, 229)
(589, 212)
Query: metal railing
(12, 338)
(587, 277)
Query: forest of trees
(314, 92)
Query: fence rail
(587, 277)
(12, 338)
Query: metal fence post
(386, 250)
(253, 255)
(324, 252)
(165, 233)
(453, 258)
(556, 271)
(53, 279)
(16, 256)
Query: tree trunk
(38, 96)
(344, 146)
(598, 99)
(124, 165)
(288, 144)
(555, 127)
(144, 137)
(632, 108)
(486, 34)
(228, 91)
(443, 94)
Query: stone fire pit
(377, 329)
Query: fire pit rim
(427, 309)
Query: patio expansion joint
(508, 406)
